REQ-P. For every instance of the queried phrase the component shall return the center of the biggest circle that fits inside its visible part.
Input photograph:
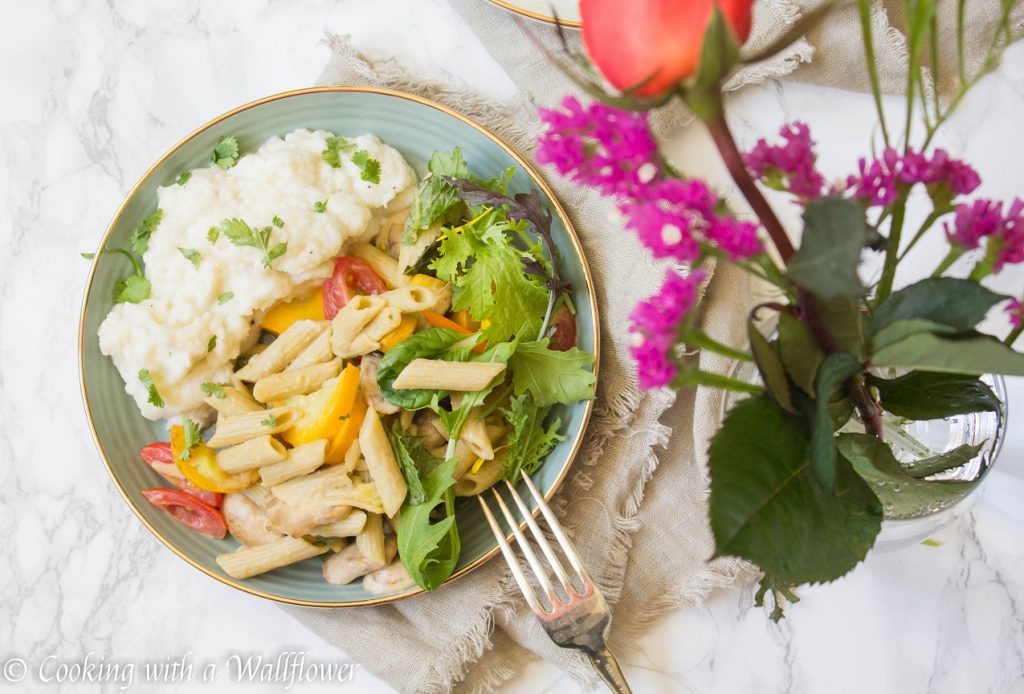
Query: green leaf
(154, 394)
(278, 222)
(902, 329)
(720, 51)
(370, 168)
(225, 154)
(192, 439)
(767, 506)
(415, 462)
(974, 354)
(274, 253)
(191, 255)
(834, 370)
(551, 376)
(183, 178)
(429, 550)
(799, 352)
(771, 368)
(961, 455)
(212, 344)
(225, 297)
(213, 389)
(436, 200)
(530, 441)
(902, 495)
(140, 236)
(270, 421)
(844, 320)
(213, 234)
(335, 144)
(133, 289)
(427, 344)
(320, 206)
(241, 234)
(923, 395)
(835, 233)
(959, 304)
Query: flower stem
(727, 148)
(700, 339)
(696, 377)
(951, 257)
(928, 223)
(892, 250)
(1014, 334)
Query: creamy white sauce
(169, 333)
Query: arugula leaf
(213, 389)
(183, 178)
(370, 167)
(530, 441)
(192, 439)
(427, 344)
(225, 154)
(332, 155)
(191, 255)
(428, 550)
(436, 200)
(212, 344)
(154, 394)
(270, 421)
(414, 461)
(213, 234)
(551, 376)
(140, 236)
(241, 234)
(320, 206)
(225, 297)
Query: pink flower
(957, 176)
(881, 180)
(875, 184)
(738, 239)
(973, 222)
(1009, 240)
(793, 160)
(654, 323)
(599, 146)
(1016, 310)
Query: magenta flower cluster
(1016, 310)
(653, 324)
(881, 180)
(793, 162)
(984, 220)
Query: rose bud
(657, 42)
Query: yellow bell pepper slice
(201, 467)
(323, 412)
(349, 431)
(403, 331)
(280, 317)
(428, 281)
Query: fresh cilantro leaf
(191, 255)
(332, 155)
(278, 222)
(530, 441)
(88, 256)
(140, 237)
(270, 421)
(154, 394)
(213, 389)
(133, 289)
(192, 439)
(241, 234)
(551, 376)
(213, 234)
(370, 167)
(225, 297)
(183, 178)
(274, 253)
(225, 154)
(320, 206)
(415, 462)
(212, 344)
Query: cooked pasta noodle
(381, 463)
(301, 460)
(251, 454)
(371, 540)
(447, 375)
(277, 387)
(246, 562)
(281, 351)
(242, 427)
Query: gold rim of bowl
(537, 180)
(534, 15)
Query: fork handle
(608, 668)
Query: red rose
(632, 40)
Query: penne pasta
(311, 487)
(242, 427)
(448, 375)
(476, 437)
(251, 454)
(277, 387)
(301, 460)
(317, 351)
(349, 526)
(246, 562)
(381, 463)
(371, 540)
(382, 263)
(352, 320)
(281, 351)
(259, 494)
(411, 298)
(362, 495)
(473, 483)
(235, 401)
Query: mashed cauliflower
(220, 301)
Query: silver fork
(579, 619)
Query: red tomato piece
(160, 452)
(349, 275)
(563, 334)
(189, 510)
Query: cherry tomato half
(349, 274)
(563, 334)
(160, 453)
(187, 509)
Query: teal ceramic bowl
(416, 127)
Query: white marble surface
(92, 92)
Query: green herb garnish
(154, 394)
(225, 154)
(270, 421)
(332, 155)
(183, 178)
(278, 222)
(370, 167)
(212, 344)
(241, 234)
(225, 297)
(320, 206)
(213, 389)
(88, 256)
(192, 439)
(140, 237)
(191, 255)
(213, 234)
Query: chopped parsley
(213, 389)
(320, 206)
(278, 222)
(140, 237)
(212, 344)
(332, 155)
(225, 297)
(191, 255)
(154, 394)
(225, 154)
(183, 178)
(213, 234)
(370, 167)
(192, 439)
(270, 421)
(241, 234)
